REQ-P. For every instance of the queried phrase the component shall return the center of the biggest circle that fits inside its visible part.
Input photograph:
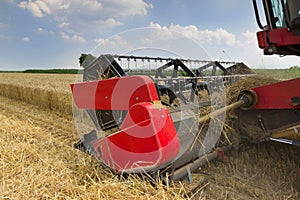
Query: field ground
(38, 161)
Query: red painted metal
(278, 95)
(277, 37)
(147, 139)
(115, 93)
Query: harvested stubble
(256, 171)
(39, 162)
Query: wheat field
(38, 160)
(51, 91)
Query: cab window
(278, 18)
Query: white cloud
(117, 44)
(26, 39)
(78, 38)
(129, 7)
(74, 37)
(220, 44)
(78, 17)
(250, 37)
(110, 23)
(115, 41)
(43, 6)
(219, 36)
(64, 36)
(63, 25)
(43, 31)
(32, 7)
(253, 55)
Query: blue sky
(53, 33)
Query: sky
(47, 34)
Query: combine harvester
(169, 121)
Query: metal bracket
(261, 122)
(189, 177)
(295, 101)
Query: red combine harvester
(277, 111)
(281, 35)
(157, 122)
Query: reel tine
(128, 64)
(135, 62)
(149, 67)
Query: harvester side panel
(281, 95)
(115, 93)
(147, 140)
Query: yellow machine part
(292, 133)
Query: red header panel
(278, 95)
(147, 139)
(115, 93)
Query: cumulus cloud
(63, 25)
(64, 36)
(42, 8)
(32, 7)
(186, 41)
(117, 41)
(110, 23)
(26, 39)
(73, 37)
(78, 38)
(219, 43)
(43, 31)
(76, 16)
(219, 36)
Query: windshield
(277, 9)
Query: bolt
(136, 98)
